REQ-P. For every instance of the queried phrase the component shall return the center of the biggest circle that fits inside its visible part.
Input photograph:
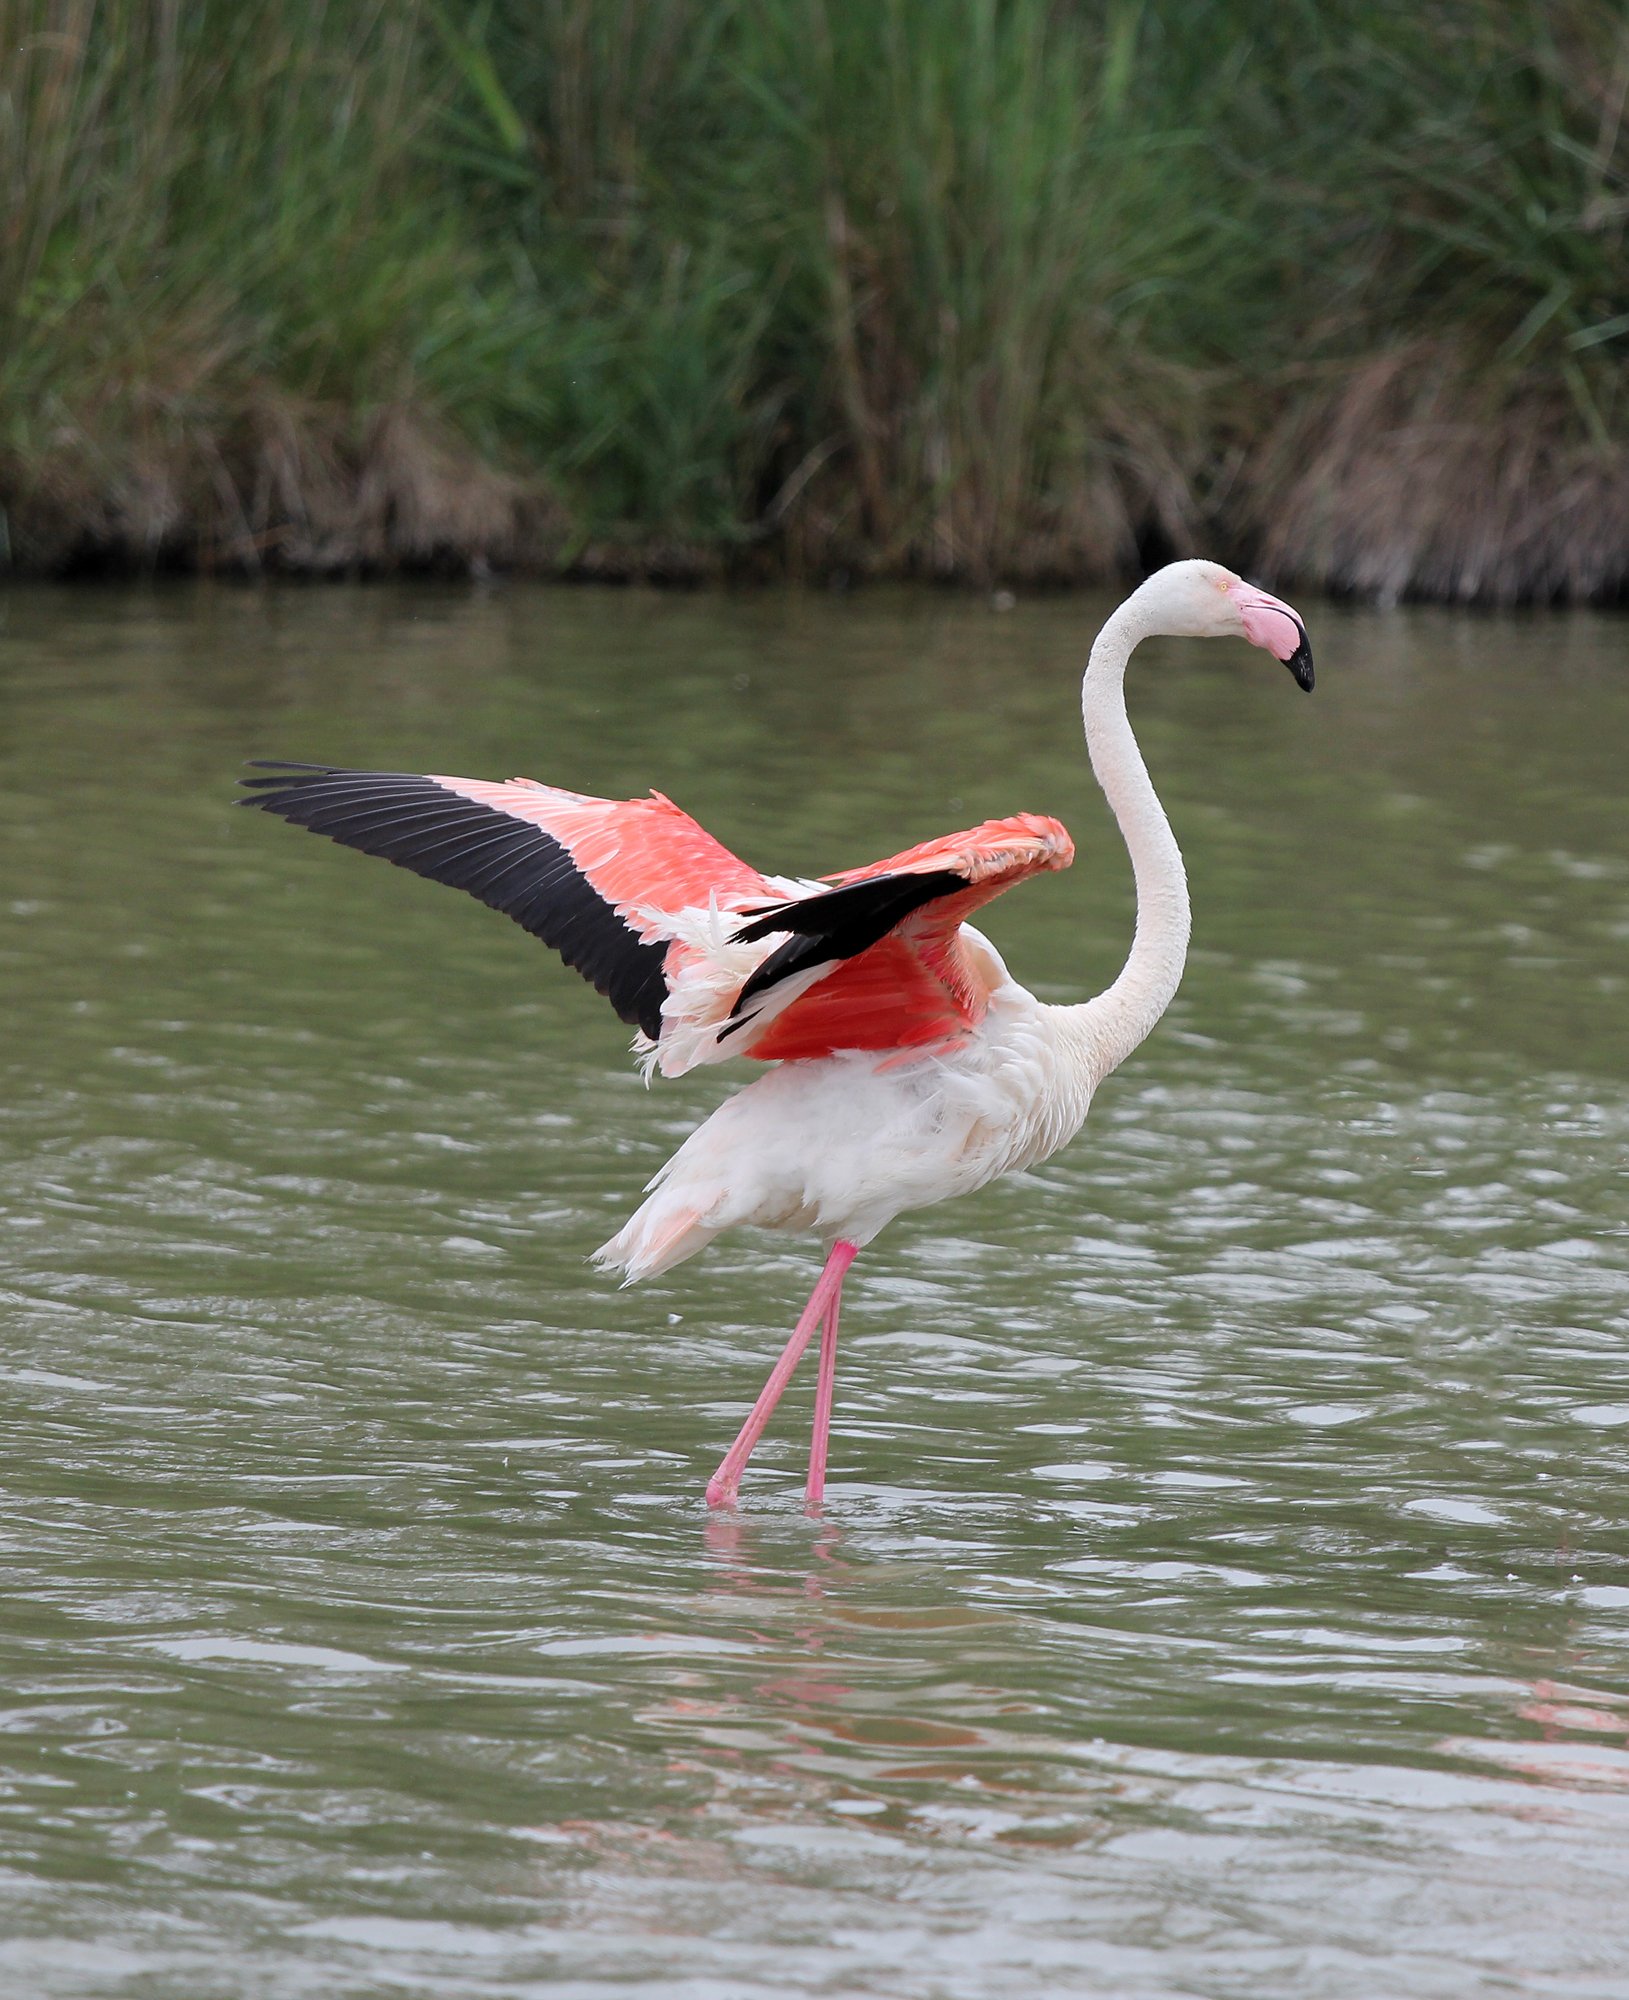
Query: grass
(972, 289)
(223, 279)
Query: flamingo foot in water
(722, 1487)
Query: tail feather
(655, 1238)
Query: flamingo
(904, 1063)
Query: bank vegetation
(983, 290)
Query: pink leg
(721, 1488)
(823, 1394)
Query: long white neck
(1118, 1019)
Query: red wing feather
(917, 985)
(885, 998)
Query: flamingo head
(1202, 600)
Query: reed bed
(972, 289)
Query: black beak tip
(1300, 664)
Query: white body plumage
(838, 1147)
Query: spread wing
(876, 961)
(901, 974)
(585, 875)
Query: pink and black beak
(1300, 661)
(1271, 624)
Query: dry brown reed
(1416, 475)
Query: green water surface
(1223, 1588)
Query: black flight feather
(506, 862)
(840, 923)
